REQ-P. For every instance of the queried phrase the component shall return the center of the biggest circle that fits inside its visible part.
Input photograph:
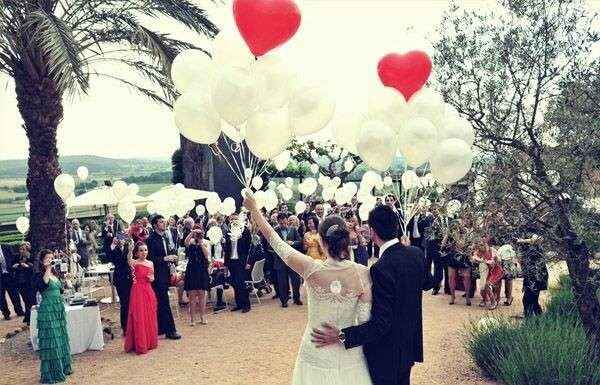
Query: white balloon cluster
(178, 203)
(259, 100)
(424, 129)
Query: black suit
(237, 267)
(8, 285)
(157, 250)
(108, 234)
(285, 274)
(393, 338)
(122, 280)
(421, 226)
(23, 276)
(433, 254)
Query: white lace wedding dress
(339, 293)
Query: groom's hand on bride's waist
(326, 335)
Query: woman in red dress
(142, 326)
(491, 272)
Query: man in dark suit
(416, 230)
(393, 337)
(110, 229)
(161, 256)
(8, 284)
(285, 274)
(237, 262)
(122, 277)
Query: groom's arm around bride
(393, 338)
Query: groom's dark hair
(384, 221)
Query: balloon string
(220, 153)
(242, 175)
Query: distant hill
(97, 165)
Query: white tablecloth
(84, 327)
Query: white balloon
(314, 168)
(234, 95)
(363, 211)
(346, 129)
(289, 182)
(272, 185)
(428, 104)
(200, 210)
(22, 224)
(342, 197)
(268, 133)
(27, 205)
(126, 211)
(120, 190)
(350, 188)
(324, 180)
(236, 134)
(257, 182)
(457, 127)
(451, 161)
(213, 204)
(453, 207)
(286, 193)
(133, 189)
(388, 181)
(417, 141)
(230, 50)
(271, 200)
(349, 165)
(388, 105)
(300, 207)
(311, 186)
(64, 185)
(227, 206)
(376, 145)
(282, 160)
(328, 193)
(311, 109)
(335, 182)
(371, 179)
(274, 78)
(196, 118)
(82, 173)
(190, 66)
(410, 180)
(214, 235)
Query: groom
(393, 339)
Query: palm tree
(52, 48)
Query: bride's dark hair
(334, 233)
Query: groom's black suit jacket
(393, 338)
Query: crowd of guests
(459, 253)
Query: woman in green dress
(54, 350)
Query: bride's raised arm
(300, 263)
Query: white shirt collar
(387, 245)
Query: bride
(339, 293)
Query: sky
(339, 43)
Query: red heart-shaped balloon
(266, 24)
(407, 73)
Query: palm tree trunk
(40, 105)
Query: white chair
(258, 277)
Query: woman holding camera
(197, 281)
(54, 349)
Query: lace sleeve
(300, 263)
(363, 312)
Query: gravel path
(255, 348)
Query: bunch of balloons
(406, 118)
(248, 93)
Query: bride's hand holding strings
(249, 201)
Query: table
(83, 325)
(107, 270)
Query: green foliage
(155, 177)
(177, 167)
(552, 348)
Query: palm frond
(141, 90)
(183, 11)
(61, 52)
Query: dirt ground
(255, 348)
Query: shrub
(550, 349)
